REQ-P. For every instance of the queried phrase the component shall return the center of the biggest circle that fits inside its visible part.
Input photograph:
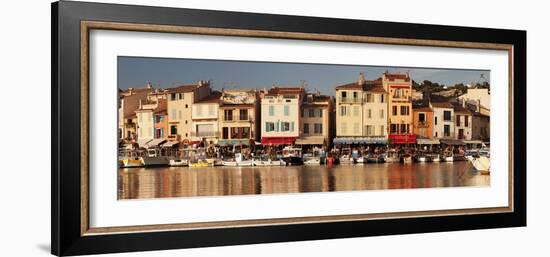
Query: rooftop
(213, 97)
(442, 105)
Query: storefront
(273, 141)
(406, 139)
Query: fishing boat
(375, 158)
(178, 162)
(406, 158)
(292, 161)
(238, 161)
(448, 156)
(312, 161)
(361, 160)
(153, 157)
(129, 159)
(268, 162)
(481, 164)
(200, 164)
(392, 156)
(422, 157)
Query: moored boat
(130, 159)
(312, 161)
(200, 164)
(292, 161)
(178, 162)
(481, 164)
(375, 158)
(406, 158)
(391, 156)
(448, 156)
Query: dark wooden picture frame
(71, 22)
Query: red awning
(278, 140)
(402, 139)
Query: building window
(394, 110)
(302, 112)
(458, 120)
(320, 112)
(225, 133)
(318, 128)
(422, 118)
(369, 130)
(466, 118)
(382, 130)
(228, 115)
(381, 113)
(287, 110)
(404, 110)
(269, 126)
(356, 128)
(355, 95)
(311, 113)
(355, 111)
(403, 129)
(435, 120)
(173, 114)
(344, 94)
(369, 98)
(306, 128)
(447, 115)
(287, 126)
(393, 128)
(172, 97)
(243, 114)
(211, 111)
(186, 106)
(369, 113)
(343, 110)
(382, 98)
(173, 130)
(447, 130)
(271, 110)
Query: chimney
(361, 79)
(149, 85)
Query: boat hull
(154, 161)
(131, 163)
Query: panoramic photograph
(194, 127)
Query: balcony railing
(350, 100)
(205, 134)
(174, 137)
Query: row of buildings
(381, 111)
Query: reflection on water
(136, 183)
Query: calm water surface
(137, 183)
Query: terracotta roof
(422, 109)
(161, 106)
(394, 76)
(375, 89)
(213, 97)
(353, 85)
(285, 90)
(131, 102)
(461, 110)
(183, 88)
(442, 105)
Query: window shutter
(292, 126)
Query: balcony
(422, 124)
(174, 137)
(205, 134)
(350, 100)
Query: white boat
(345, 159)
(361, 160)
(481, 164)
(448, 156)
(268, 162)
(238, 161)
(391, 156)
(178, 162)
(312, 161)
(434, 157)
(407, 158)
(422, 157)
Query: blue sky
(168, 72)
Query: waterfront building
(315, 121)
(180, 102)
(129, 100)
(361, 112)
(400, 116)
(481, 129)
(463, 123)
(205, 119)
(238, 117)
(151, 122)
(280, 119)
(422, 121)
(477, 98)
(443, 120)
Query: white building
(463, 123)
(205, 118)
(280, 119)
(478, 97)
(443, 120)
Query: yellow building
(361, 112)
(180, 102)
(205, 119)
(400, 116)
(238, 117)
(315, 121)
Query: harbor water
(161, 182)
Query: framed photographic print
(179, 128)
